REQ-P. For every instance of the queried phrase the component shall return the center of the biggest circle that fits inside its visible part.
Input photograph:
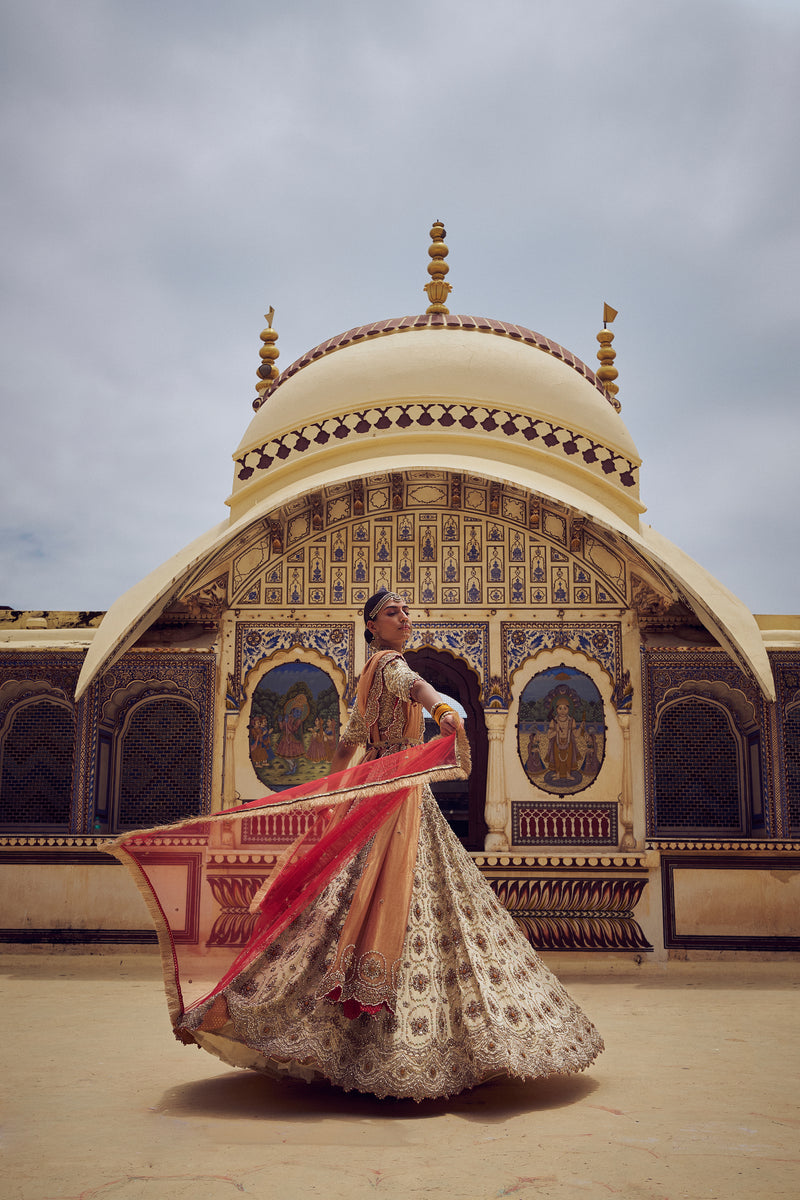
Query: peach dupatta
(365, 973)
(202, 881)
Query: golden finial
(607, 372)
(438, 289)
(267, 372)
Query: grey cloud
(171, 170)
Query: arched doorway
(462, 802)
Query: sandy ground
(696, 1096)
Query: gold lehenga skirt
(473, 1001)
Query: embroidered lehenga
(403, 976)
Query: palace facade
(635, 730)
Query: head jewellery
(376, 604)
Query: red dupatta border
(338, 829)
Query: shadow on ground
(246, 1095)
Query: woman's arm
(424, 694)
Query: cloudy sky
(171, 168)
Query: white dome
(459, 394)
(456, 390)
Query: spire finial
(267, 373)
(607, 372)
(438, 289)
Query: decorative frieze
(546, 823)
(259, 640)
(443, 541)
(575, 914)
(599, 641)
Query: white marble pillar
(229, 762)
(627, 840)
(496, 812)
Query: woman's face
(392, 626)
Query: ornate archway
(463, 804)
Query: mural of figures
(294, 725)
(316, 747)
(261, 751)
(561, 730)
(290, 746)
(329, 729)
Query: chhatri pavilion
(635, 730)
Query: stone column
(496, 810)
(85, 768)
(229, 761)
(627, 840)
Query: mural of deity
(290, 746)
(561, 730)
(294, 725)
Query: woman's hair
(374, 605)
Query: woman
(316, 746)
(405, 977)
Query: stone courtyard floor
(696, 1096)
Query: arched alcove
(699, 771)
(462, 803)
(160, 763)
(36, 756)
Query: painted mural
(561, 730)
(294, 725)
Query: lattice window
(160, 764)
(791, 735)
(696, 772)
(36, 756)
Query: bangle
(440, 711)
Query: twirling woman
(404, 976)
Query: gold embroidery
(453, 1026)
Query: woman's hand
(449, 723)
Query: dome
(438, 393)
(446, 391)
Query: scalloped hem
(440, 1077)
